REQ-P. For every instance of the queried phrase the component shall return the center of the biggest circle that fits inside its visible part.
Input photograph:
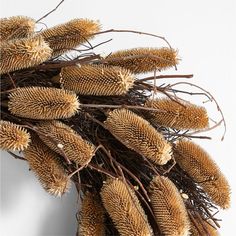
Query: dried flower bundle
(203, 228)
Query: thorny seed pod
(43, 103)
(168, 207)
(16, 27)
(177, 116)
(64, 37)
(23, 53)
(142, 60)
(204, 171)
(72, 145)
(137, 134)
(124, 208)
(13, 137)
(91, 217)
(97, 80)
(47, 167)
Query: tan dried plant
(43, 103)
(23, 53)
(168, 207)
(16, 27)
(65, 141)
(97, 80)
(64, 37)
(142, 60)
(124, 208)
(204, 171)
(177, 116)
(13, 137)
(137, 134)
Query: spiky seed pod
(23, 53)
(137, 134)
(204, 227)
(124, 208)
(177, 116)
(13, 137)
(91, 217)
(47, 167)
(97, 80)
(16, 27)
(204, 171)
(43, 103)
(168, 207)
(142, 60)
(73, 146)
(65, 37)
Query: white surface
(204, 34)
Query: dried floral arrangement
(124, 141)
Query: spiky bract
(205, 227)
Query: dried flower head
(137, 134)
(124, 208)
(177, 116)
(23, 53)
(91, 216)
(141, 60)
(203, 228)
(204, 171)
(13, 137)
(97, 80)
(16, 27)
(43, 103)
(47, 167)
(65, 37)
(168, 207)
(64, 140)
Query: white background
(204, 34)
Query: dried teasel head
(91, 216)
(141, 60)
(65, 141)
(177, 116)
(62, 38)
(43, 103)
(124, 208)
(47, 166)
(16, 27)
(13, 137)
(168, 207)
(97, 80)
(23, 53)
(204, 171)
(137, 134)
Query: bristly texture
(43, 103)
(124, 208)
(64, 37)
(13, 137)
(97, 80)
(142, 60)
(16, 27)
(91, 217)
(137, 134)
(204, 171)
(176, 116)
(47, 167)
(72, 145)
(204, 227)
(23, 53)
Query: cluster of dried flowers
(92, 121)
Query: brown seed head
(142, 60)
(124, 208)
(43, 103)
(188, 116)
(13, 137)
(168, 207)
(23, 53)
(137, 134)
(204, 171)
